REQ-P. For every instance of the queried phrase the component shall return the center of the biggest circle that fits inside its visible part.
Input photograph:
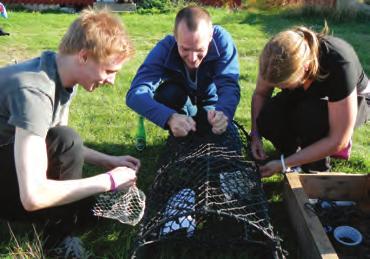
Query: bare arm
(37, 192)
(262, 92)
(342, 118)
(107, 161)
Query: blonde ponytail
(284, 56)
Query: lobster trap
(207, 198)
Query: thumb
(260, 154)
(263, 171)
(211, 115)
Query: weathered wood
(313, 241)
(335, 186)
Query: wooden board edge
(313, 241)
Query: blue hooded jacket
(217, 85)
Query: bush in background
(159, 6)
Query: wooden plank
(313, 240)
(335, 186)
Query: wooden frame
(314, 242)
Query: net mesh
(126, 207)
(207, 194)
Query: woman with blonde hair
(322, 99)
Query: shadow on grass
(108, 239)
(111, 239)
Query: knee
(271, 121)
(63, 139)
(312, 118)
(172, 94)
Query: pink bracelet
(113, 185)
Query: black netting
(207, 194)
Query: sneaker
(344, 153)
(294, 169)
(322, 165)
(71, 247)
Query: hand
(181, 125)
(218, 121)
(270, 168)
(127, 161)
(257, 148)
(123, 177)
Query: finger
(180, 132)
(262, 154)
(127, 184)
(132, 176)
(138, 164)
(133, 160)
(192, 124)
(217, 131)
(210, 116)
(266, 172)
(220, 129)
(218, 116)
(177, 133)
(129, 165)
(258, 154)
(221, 122)
(185, 128)
(261, 169)
(263, 172)
(223, 126)
(189, 124)
(255, 154)
(265, 175)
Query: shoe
(294, 169)
(344, 153)
(322, 165)
(71, 247)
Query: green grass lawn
(107, 124)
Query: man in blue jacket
(189, 81)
